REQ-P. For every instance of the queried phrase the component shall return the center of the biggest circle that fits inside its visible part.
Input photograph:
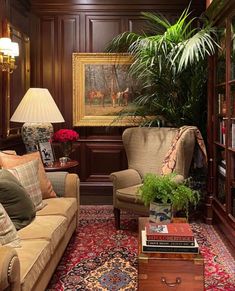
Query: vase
(67, 148)
(160, 213)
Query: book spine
(223, 131)
(169, 243)
(170, 249)
(169, 237)
(233, 134)
(222, 170)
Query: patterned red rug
(100, 258)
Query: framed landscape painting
(102, 87)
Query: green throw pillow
(15, 200)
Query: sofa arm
(9, 269)
(65, 184)
(125, 178)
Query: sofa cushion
(129, 194)
(15, 200)
(27, 174)
(9, 161)
(59, 206)
(51, 228)
(34, 256)
(8, 233)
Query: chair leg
(116, 212)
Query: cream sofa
(43, 241)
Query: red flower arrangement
(65, 135)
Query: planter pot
(160, 213)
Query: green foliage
(157, 189)
(170, 62)
(166, 189)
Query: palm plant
(170, 64)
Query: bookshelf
(221, 121)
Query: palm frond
(157, 20)
(196, 48)
(122, 42)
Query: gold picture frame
(102, 87)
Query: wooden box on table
(165, 271)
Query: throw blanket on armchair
(200, 156)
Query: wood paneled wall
(57, 29)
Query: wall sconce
(8, 51)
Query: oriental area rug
(99, 257)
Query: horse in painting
(120, 98)
(95, 95)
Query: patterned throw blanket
(200, 155)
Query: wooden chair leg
(116, 212)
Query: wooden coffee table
(167, 271)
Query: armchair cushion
(129, 194)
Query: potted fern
(166, 195)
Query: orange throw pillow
(9, 161)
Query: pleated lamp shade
(37, 110)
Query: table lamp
(37, 110)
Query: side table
(57, 166)
(166, 271)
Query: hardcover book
(169, 243)
(169, 232)
(168, 249)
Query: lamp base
(33, 133)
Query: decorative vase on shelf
(67, 148)
(66, 138)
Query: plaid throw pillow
(8, 233)
(10, 160)
(27, 174)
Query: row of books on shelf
(169, 238)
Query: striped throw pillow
(8, 233)
(27, 174)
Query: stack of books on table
(169, 238)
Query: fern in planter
(184, 197)
(167, 189)
(157, 189)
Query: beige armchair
(146, 150)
